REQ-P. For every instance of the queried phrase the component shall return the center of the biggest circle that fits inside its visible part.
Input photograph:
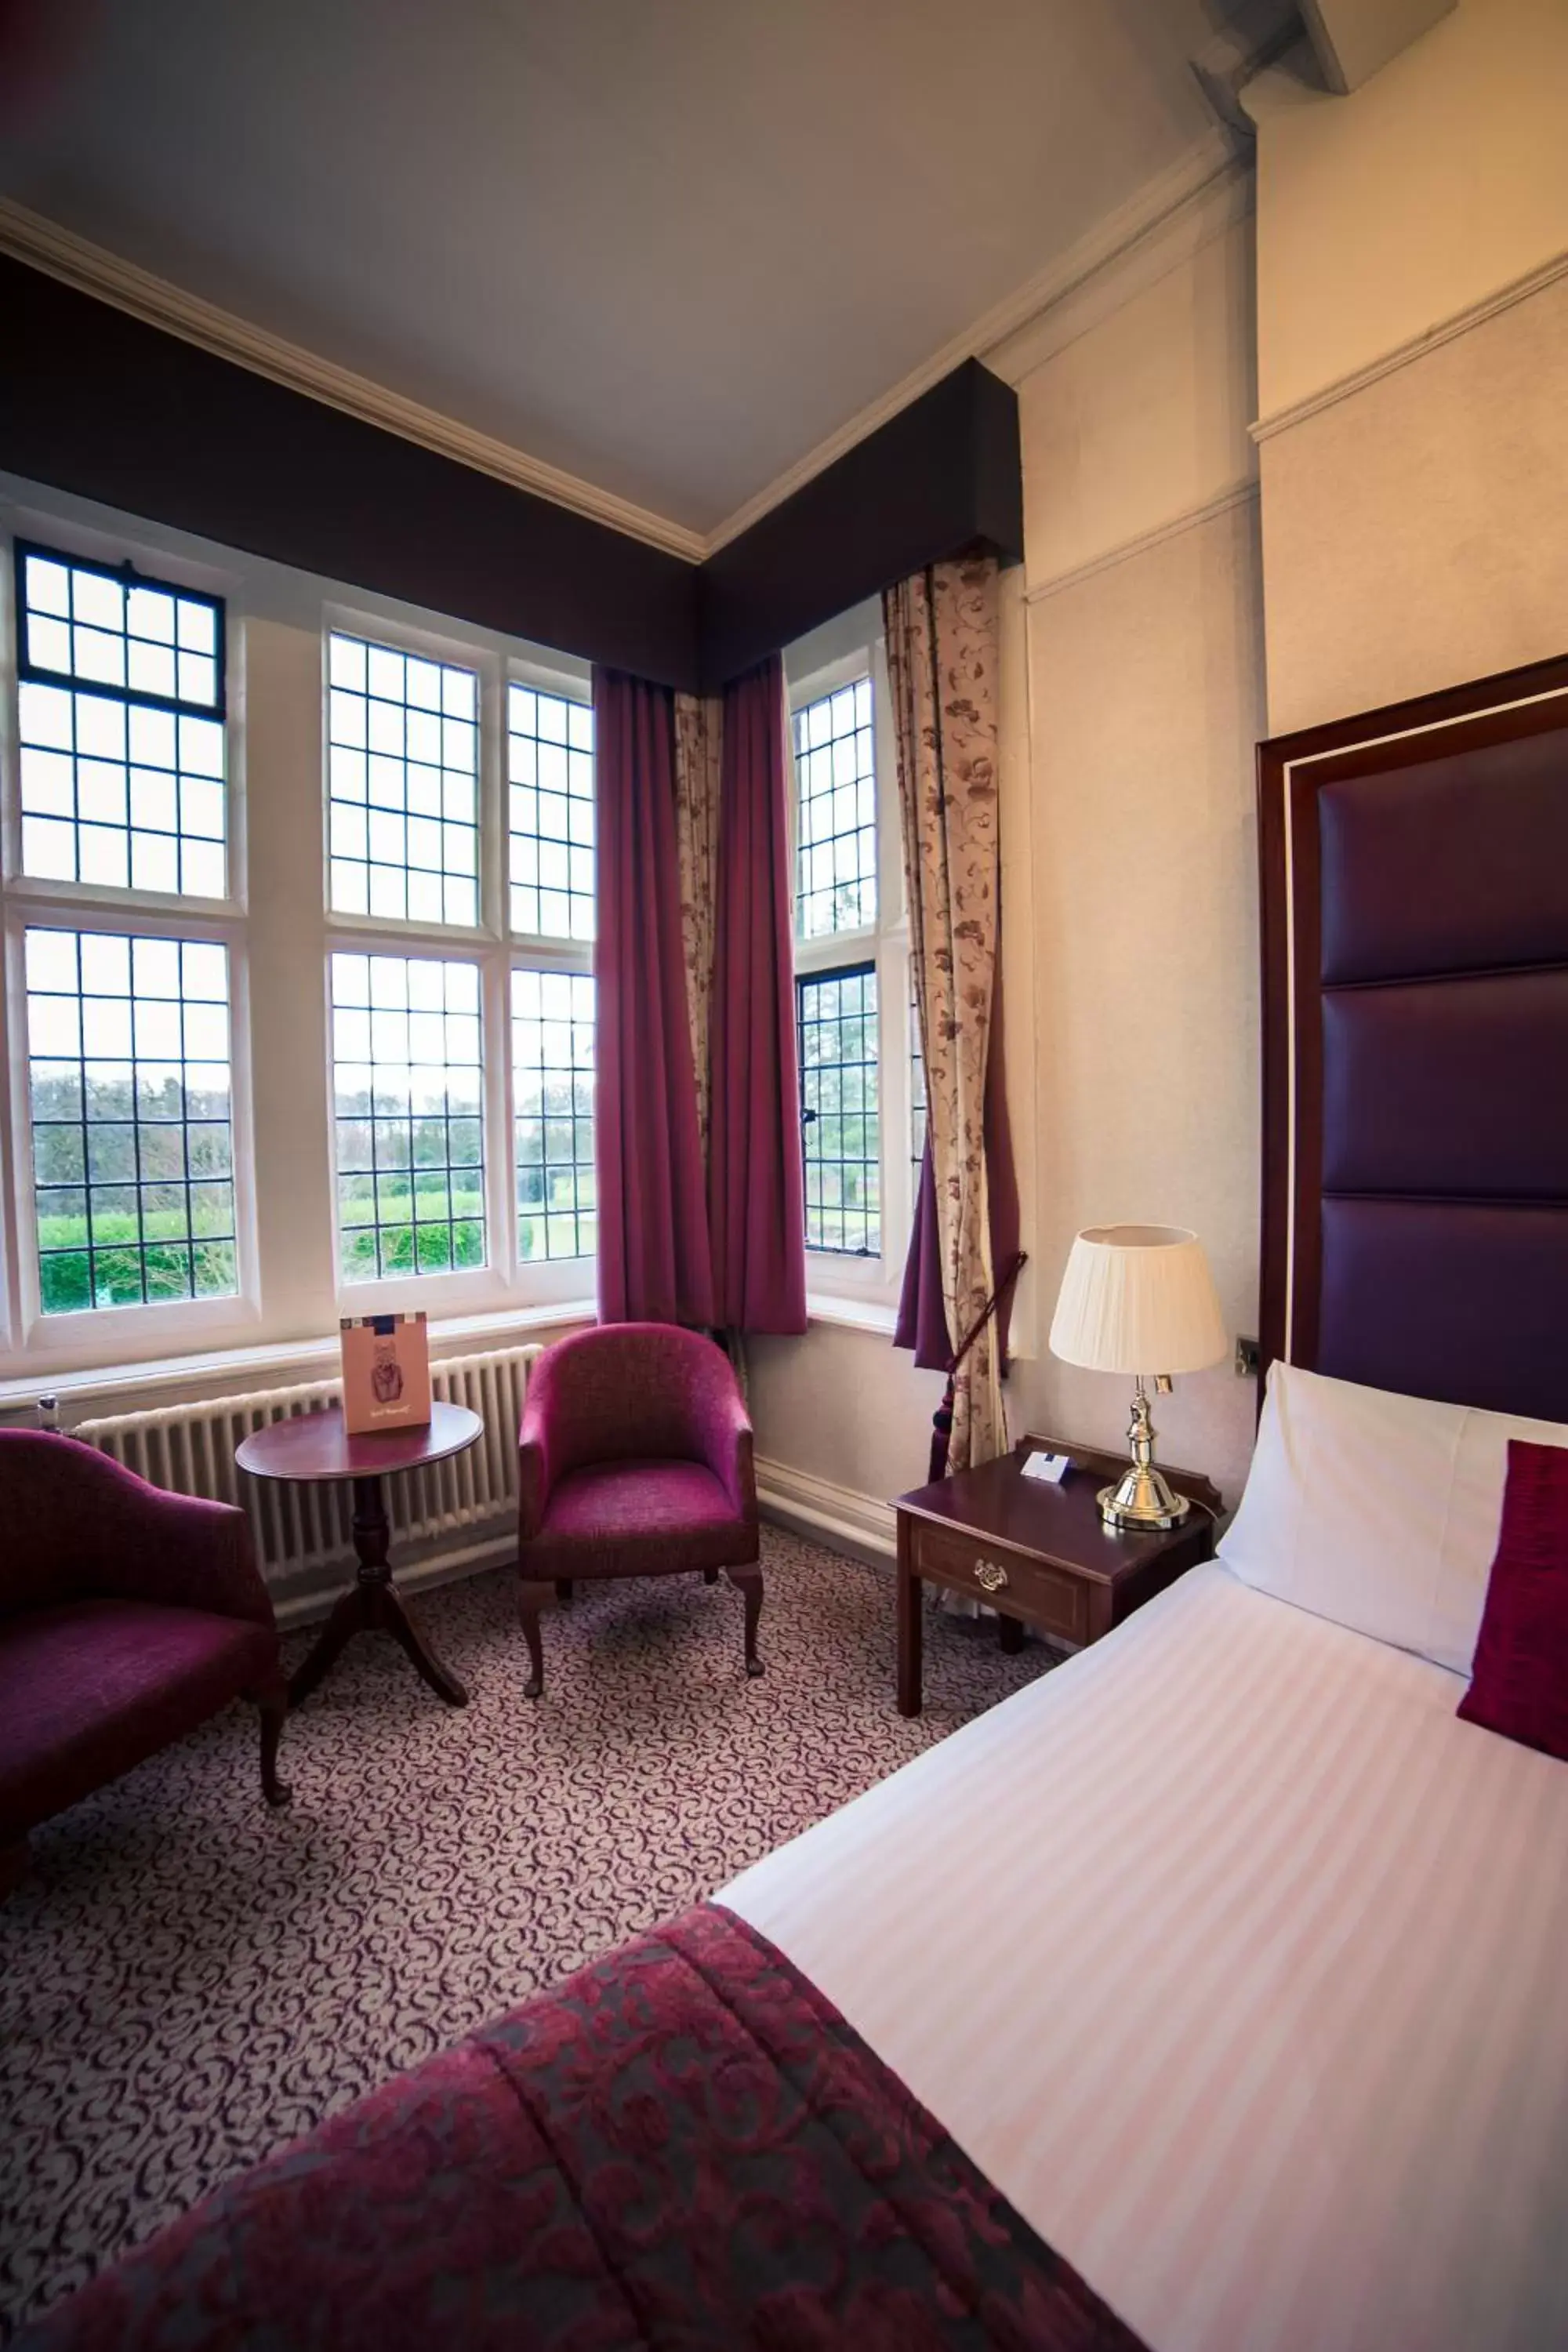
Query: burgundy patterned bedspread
(683, 2147)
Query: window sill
(299, 1358)
(852, 1314)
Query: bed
(1203, 2031)
(1261, 2045)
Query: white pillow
(1380, 1511)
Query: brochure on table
(387, 1372)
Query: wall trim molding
(1196, 218)
(807, 1506)
(1237, 494)
(1430, 339)
(858, 1524)
(92, 269)
(1146, 210)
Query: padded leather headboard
(1415, 934)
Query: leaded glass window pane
(550, 801)
(130, 1097)
(409, 1106)
(840, 1120)
(553, 1078)
(836, 856)
(122, 750)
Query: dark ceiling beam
(102, 405)
(943, 475)
(98, 403)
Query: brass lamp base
(1142, 1498)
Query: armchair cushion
(91, 1687)
(633, 1394)
(639, 1518)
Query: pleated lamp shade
(1139, 1298)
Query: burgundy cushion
(631, 1391)
(1519, 1685)
(638, 1519)
(89, 1688)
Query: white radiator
(190, 1448)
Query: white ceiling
(669, 246)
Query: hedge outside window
(130, 1098)
(552, 1094)
(408, 1088)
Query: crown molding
(1172, 239)
(1171, 216)
(91, 269)
(1415, 347)
(991, 336)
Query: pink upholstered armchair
(634, 1460)
(127, 1617)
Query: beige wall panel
(1381, 214)
(845, 1406)
(1416, 533)
(1145, 418)
(1147, 692)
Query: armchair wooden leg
(563, 1591)
(531, 1597)
(750, 1582)
(709, 1576)
(13, 1867)
(273, 1705)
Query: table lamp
(1134, 1298)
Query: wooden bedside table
(1035, 1552)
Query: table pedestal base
(372, 1603)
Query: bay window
(408, 1001)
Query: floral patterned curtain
(943, 633)
(699, 729)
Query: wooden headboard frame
(1414, 944)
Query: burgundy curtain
(654, 1260)
(756, 1211)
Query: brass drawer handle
(989, 1575)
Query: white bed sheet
(1240, 1967)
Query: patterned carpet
(186, 1981)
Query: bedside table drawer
(1055, 1601)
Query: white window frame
(87, 1335)
(835, 656)
(506, 1278)
(559, 1277)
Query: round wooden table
(314, 1447)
